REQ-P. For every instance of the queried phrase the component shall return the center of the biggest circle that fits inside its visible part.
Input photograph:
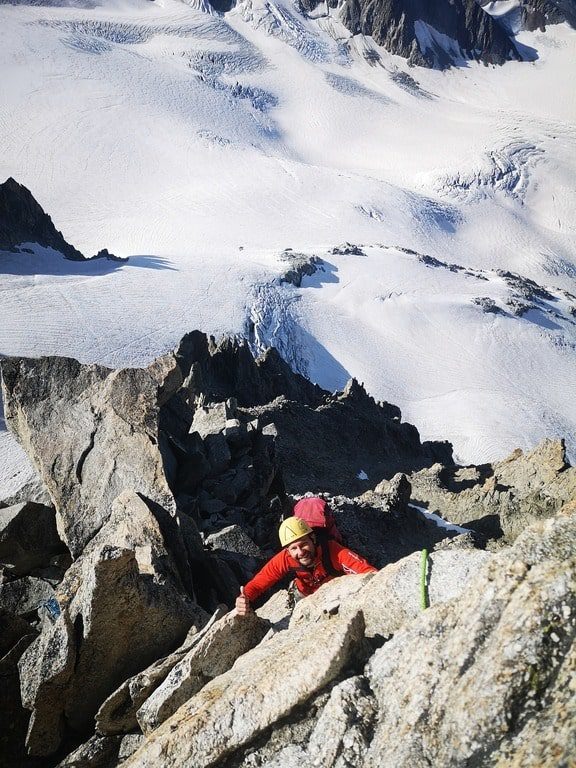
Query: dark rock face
(28, 537)
(105, 254)
(392, 25)
(537, 14)
(22, 220)
(218, 371)
(327, 448)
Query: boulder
(209, 420)
(118, 713)
(28, 537)
(213, 654)
(391, 598)
(25, 596)
(474, 679)
(91, 432)
(133, 525)
(125, 586)
(45, 670)
(236, 707)
(234, 539)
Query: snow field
(201, 146)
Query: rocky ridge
(446, 32)
(23, 220)
(164, 487)
(417, 30)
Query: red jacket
(307, 580)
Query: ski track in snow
(203, 145)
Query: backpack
(317, 514)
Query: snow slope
(202, 146)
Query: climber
(310, 563)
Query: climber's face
(303, 550)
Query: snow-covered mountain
(217, 150)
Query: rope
(423, 573)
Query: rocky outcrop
(169, 484)
(470, 680)
(220, 370)
(118, 713)
(478, 678)
(538, 14)
(327, 448)
(499, 499)
(228, 712)
(300, 265)
(212, 655)
(100, 637)
(203, 431)
(22, 220)
(91, 432)
(418, 30)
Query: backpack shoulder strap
(323, 540)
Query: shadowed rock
(22, 220)
(325, 448)
(219, 371)
(28, 537)
(24, 596)
(45, 671)
(102, 752)
(15, 636)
